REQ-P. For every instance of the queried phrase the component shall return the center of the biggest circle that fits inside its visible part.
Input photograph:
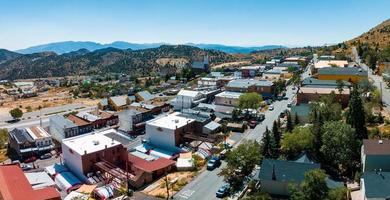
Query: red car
(252, 124)
(31, 159)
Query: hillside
(6, 55)
(132, 62)
(377, 36)
(70, 46)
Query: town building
(118, 103)
(61, 127)
(143, 96)
(133, 120)
(323, 63)
(273, 74)
(167, 132)
(187, 99)
(276, 176)
(201, 66)
(14, 185)
(350, 74)
(316, 83)
(375, 185)
(263, 87)
(81, 153)
(209, 82)
(375, 155)
(309, 94)
(32, 141)
(98, 118)
(227, 98)
(249, 71)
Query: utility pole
(167, 184)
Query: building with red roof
(15, 186)
(148, 168)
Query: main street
(377, 80)
(207, 183)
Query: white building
(227, 98)
(166, 132)
(187, 99)
(81, 152)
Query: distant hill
(236, 49)
(6, 55)
(378, 36)
(70, 46)
(166, 59)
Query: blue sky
(233, 22)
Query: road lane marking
(186, 194)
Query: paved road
(378, 80)
(34, 118)
(207, 183)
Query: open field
(51, 98)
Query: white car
(271, 107)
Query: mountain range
(165, 59)
(70, 46)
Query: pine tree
(276, 133)
(317, 132)
(268, 144)
(356, 115)
(296, 120)
(289, 125)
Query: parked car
(25, 167)
(282, 115)
(31, 159)
(213, 163)
(223, 191)
(271, 107)
(293, 88)
(45, 156)
(261, 117)
(222, 155)
(253, 123)
(269, 101)
(289, 104)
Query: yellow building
(350, 74)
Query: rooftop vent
(380, 141)
(176, 121)
(95, 142)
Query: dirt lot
(177, 181)
(51, 98)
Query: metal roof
(119, 100)
(62, 121)
(322, 83)
(377, 184)
(245, 83)
(285, 171)
(342, 71)
(212, 126)
(145, 95)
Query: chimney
(85, 152)
(273, 172)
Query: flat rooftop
(172, 121)
(37, 132)
(227, 94)
(91, 142)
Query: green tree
(258, 196)
(268, 144)
(340, 85)
(289, 124)
(245, 157)
(276, 133)
(299, 140)
(3, 138)
(296, 119)
(371, 59)
(16, 113)
(340, 148)
(250, 101)
(356, 115)
(312, 187)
